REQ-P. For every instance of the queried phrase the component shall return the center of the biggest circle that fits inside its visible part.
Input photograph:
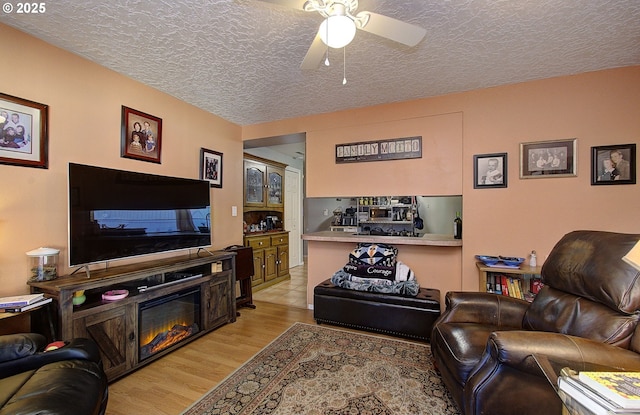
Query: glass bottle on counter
(457, 227)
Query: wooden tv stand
(114, 324)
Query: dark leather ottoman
(410, 317)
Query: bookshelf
(525, 275)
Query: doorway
(288, 149)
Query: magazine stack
(601, 393)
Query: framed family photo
(613, 164)
(141, 136)
(555, 158)
(489, 170)
(23, 132)
(211, 167)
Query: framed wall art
(23, 132)
(555, 158)
(141, 136)
(613, 164)
(379, 150)
(489, 170)
(211, 167)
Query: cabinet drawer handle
(259, 243)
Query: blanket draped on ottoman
(375, 268)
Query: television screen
(115, 214)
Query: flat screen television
(116, 214)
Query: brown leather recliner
(587, 312)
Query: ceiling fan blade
(315, 54)
(394, 29)
(295, 4)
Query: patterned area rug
(314, 370)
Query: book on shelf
(490, 283)
(27, 307)
(497, 284)
(536, 285)
(578, 393)
(20, 300)
(518, 288)
(623, 388)
(524, 288)
(505, 285)
(511, 287)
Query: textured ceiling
(240, 59)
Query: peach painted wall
(85, 103)
(438, 172)
(597, 108)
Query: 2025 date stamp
(24, 8)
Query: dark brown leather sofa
(66, 381)
(586, 313)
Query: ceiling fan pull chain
(344, 66)
(326, 60)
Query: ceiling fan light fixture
(337, 31)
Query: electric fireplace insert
(168, 321)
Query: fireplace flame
(167, 338)
(161, 328)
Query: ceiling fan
(340, 24)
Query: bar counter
(429, 239)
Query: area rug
(316, 370)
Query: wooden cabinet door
(217, 303)
(258, 267)
(255, 184)
(270, 269)
(275, 187)
(283, 260)
(114, 336)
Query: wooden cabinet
(258, 243)
(263, 214)
(281, 242)
(258, 267)
(217, 302)
(115, 325)
(263, 183)
(114, 332)
(270, 264)
(255, 182)
(270, 258)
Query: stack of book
(602, 393)
(20, 303)
(522, 288)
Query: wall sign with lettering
(380, 150)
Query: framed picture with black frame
(612, 165)
(211, 167)
(489, 171)
(554, 158)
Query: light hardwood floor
(172, 383)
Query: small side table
(552, 368)
(244, 272)
(44, 311)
